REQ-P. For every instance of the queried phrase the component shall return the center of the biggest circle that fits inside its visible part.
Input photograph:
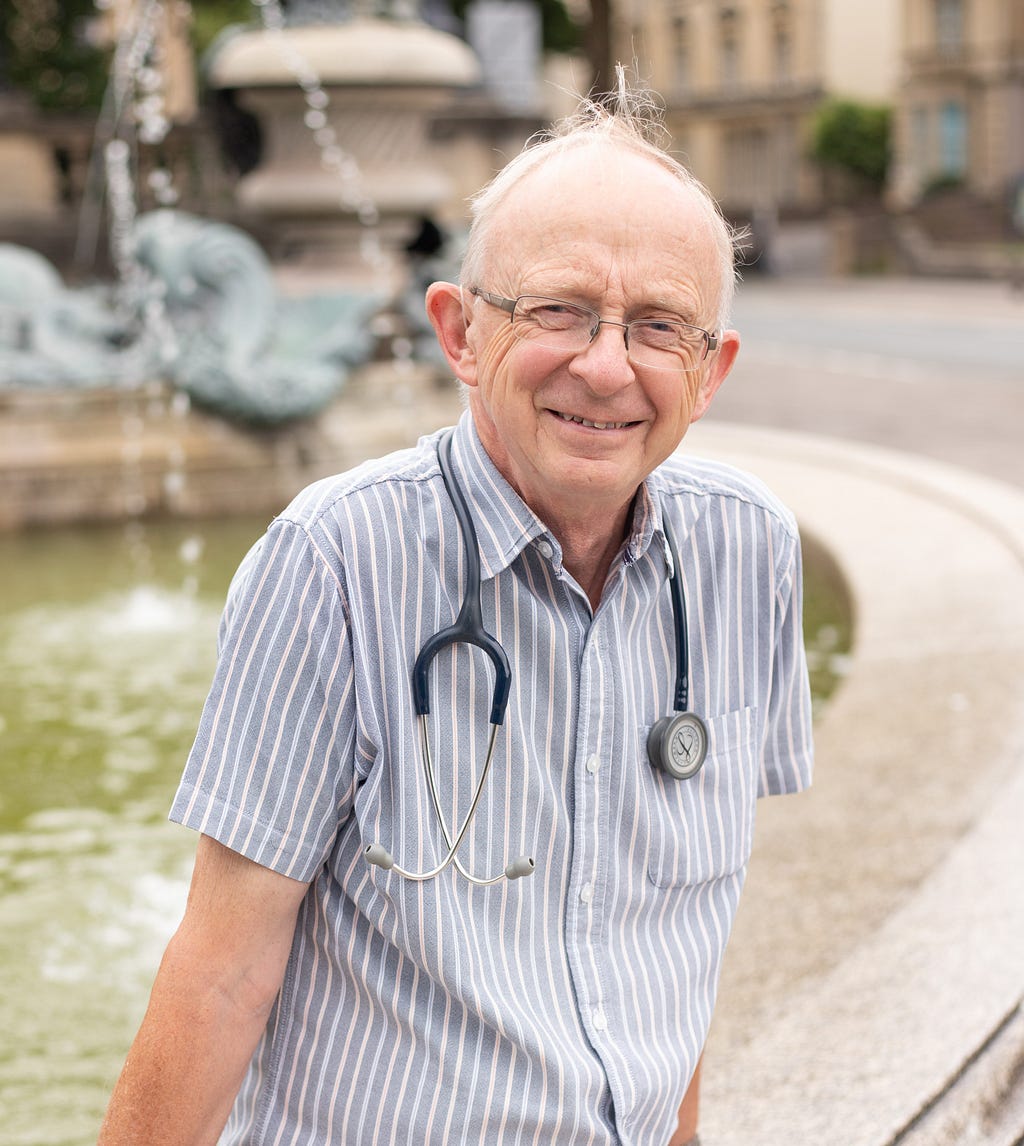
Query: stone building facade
(960, 104)
(743, 78)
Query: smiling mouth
(576, 420)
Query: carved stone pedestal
(340, 176)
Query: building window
(782, 53)
(681, 78)
(787, 160)
(746, 169)
(949, 25)
(953, 140)
(729, 48)
(920, 140)
(782, 42)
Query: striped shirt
(570, 1006)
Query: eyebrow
(583, 297)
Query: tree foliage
(212, 16)
(48, 48)
(854, 138)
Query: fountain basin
(108, 454)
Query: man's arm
(216, 985)
(686, 1132)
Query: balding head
(624, 125)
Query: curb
(877, 951)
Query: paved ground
(933, 367)
(872, 994)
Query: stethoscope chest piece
(678, 745)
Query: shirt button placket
(593, 765)
(590, 801)
(598, 1019)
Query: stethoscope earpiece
(378, 856)
(522, 865)
(678, 745)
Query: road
(931, 367)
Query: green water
(106, 650)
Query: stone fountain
(367, 89)
(197, 386)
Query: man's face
(613, 231)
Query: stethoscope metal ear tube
(676, 745)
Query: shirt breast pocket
(702, 829)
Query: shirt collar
(646, 521)
(505, 524)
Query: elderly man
(649, 610)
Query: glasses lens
(549, 322)
(664, 345)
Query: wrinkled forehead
(605, 201)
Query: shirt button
(587, 892)
(593, 763)
(545, 550)
(599, 1020)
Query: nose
(604, 363)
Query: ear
(721, 363)
(445, 310)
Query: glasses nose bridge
(599, 322)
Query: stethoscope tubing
(681, 694)
(469, 626)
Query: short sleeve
(270, 774)
(788, 754)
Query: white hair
(629, 119)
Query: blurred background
(901, 117)
(216, 223)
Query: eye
(552, 314)
(659, 332)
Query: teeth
(593, 425)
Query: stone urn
(347, 171)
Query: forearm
(187, 1061)
(209, 1007)
(686, 1131)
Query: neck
(589, 547)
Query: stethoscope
(676, 745)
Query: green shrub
(854, 138)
